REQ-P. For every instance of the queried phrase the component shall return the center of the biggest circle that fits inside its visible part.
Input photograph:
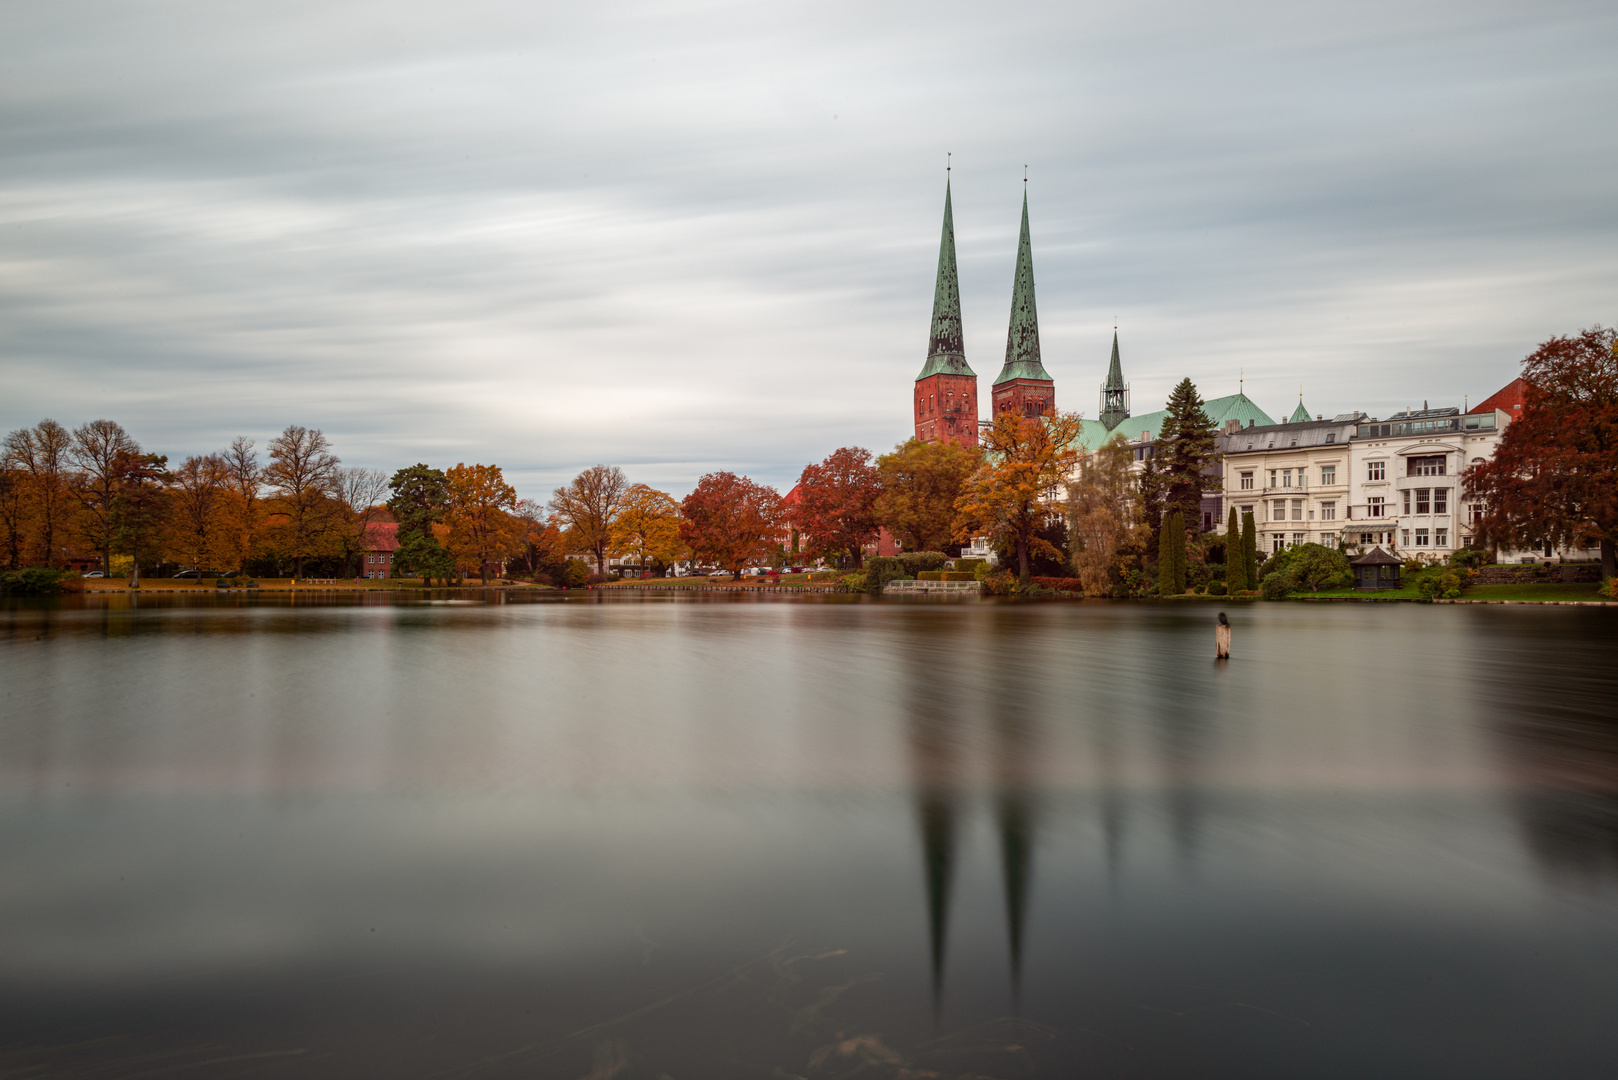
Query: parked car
(192, 573)
(95, 573)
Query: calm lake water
(739, 838)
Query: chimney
(1232, 426)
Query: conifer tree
(1250, 549)
(1165, 558)
(1186, 448)
(1177, 549)
(1235, 555)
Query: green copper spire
(1022, 336)
(1114, 394)
(945, 353)
(1300, 414)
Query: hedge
(1060, 584)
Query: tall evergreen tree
(1165, 560)
(1177, 548)
(1250, 549)
(1185, 453)
(1235, 555)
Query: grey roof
(945, 352)
(1376, 557)
(1290, 436)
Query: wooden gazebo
(1376, 569)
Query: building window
(1440, 538)
(1297, 509)
(1367, 538)
(1247, 481)
(1328, 511)
(1440, 500)
(1286, 478)
(1405, 533)
(1328, 475)
(1279, 543)
(1421, 537)
(1474, 511)
(1272, 479)
(1376, 470)
(1328, 540)
(1374, 505)
(1299, 538)
(1427, 466)
(1280, 511)
(1424, 502)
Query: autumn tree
(359, 495)
(95, 452)
(302, 474)
(478, 510)
(140, 506)
(836, 507)
(588, 507)
(13, 501)
(731, 521)
(542, 548)
(1553, 478)
(40, 454)
(1100, 504)
(1012, 495)
(244, 482)
(920, 482)
(197, 493)
(1185, 454)
(648, 526)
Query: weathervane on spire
(947, 156)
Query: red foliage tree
(836, 508)
(1554, 476)
(731, 521)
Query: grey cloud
(683, 237)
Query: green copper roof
(945, 353)
(1022, 336)
(1115, 412)
(1231, 407)
(1300, 414)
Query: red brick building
(381, 541)
(1024, 387)
(946, 392)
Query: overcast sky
(680, 237)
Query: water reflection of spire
(1015, 812)
(936, 770)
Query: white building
(1294, 478)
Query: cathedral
(946, 392)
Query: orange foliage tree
(731, 521)
(836, 509)
(479, 513)
(1554, 476)
(1013, 494)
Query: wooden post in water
(1222, 638)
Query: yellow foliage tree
(1014, 492)
(479, 517)
(648, 526)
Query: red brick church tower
(946, 396)
(1024, 386)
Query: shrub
(956, 575)
(970, 566)
(855, 582)
(1216, 588)
(1445, 586)
(930, 575)
(1060, 584)
(1609, 588)
(1470, 558)
(34, 581)
(1276, 585)
(998, 583)
(881, 569)
(575, 575)
(915, 562)
(597, 579)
